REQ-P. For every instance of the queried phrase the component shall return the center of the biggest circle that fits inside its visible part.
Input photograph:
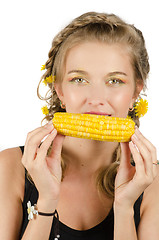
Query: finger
(57, 147)
(125, 155)
(149, 145)
(139, 165)
(34, 139)
(141, 144)
(35, 131)
(43, 149)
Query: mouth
(98, 113)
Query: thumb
(125, 155)
(57, 147)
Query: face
(98, 78)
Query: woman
(97, 64)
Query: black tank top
(102, 231)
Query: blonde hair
(107, 28)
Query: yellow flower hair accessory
(141, 108)
(49, 79)
(42, 67)
(45, 110)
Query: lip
(98, 113)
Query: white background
(27, 29)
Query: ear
(138, 89)
(58, 89)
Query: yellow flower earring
(141, 107)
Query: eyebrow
(77, 71)
(116, 73)
(109, 74)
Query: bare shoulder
(148, 227)
(12, 182)
(11, 168)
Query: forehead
(97, 56)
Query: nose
(95, 101)
(96, 96)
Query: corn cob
(96, 127)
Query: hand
(131, 181)
(45, 170)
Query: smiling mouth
(98, 113)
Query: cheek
(124, 98)
(123, 103)
(71, 96)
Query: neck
(87, 156)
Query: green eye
(78, 80)
(115, 81)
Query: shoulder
(12, 182)
(11, 157)
(12, 172)
(149, 207)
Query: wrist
(123, 209)
(123, 203)
(46, 206)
